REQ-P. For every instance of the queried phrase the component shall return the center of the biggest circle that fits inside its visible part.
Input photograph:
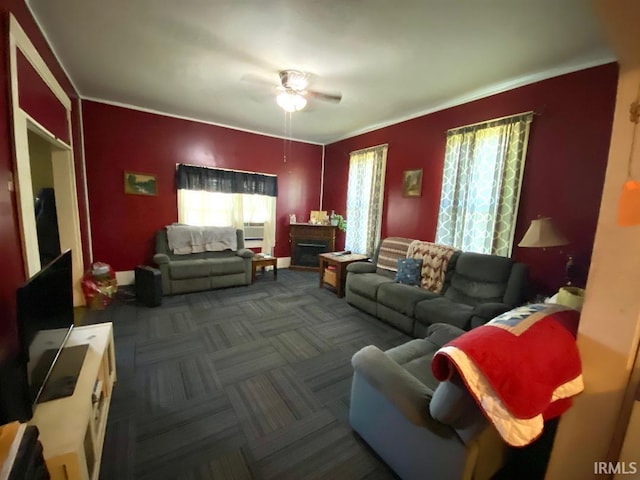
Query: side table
(262, 262)
(340, 262)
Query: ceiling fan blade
(334, 97)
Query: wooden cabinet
(309, 241)
(72, 428)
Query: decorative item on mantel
(318, 217)
(338, 220)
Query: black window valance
(191, 177)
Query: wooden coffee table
(262, 262)
(340, 262)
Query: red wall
(563, 178)
(37, 99)
(119, 139)
(13, 272)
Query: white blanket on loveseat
(185, 239)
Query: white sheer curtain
(483, 169)
(197, 207)
(365, 193)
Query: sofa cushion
(415, 355)
(183, 269)
(366, 284)
(226, 266)
(409, 271)
(403, 298)
(444, 310)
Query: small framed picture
(412, 183)
(140, 184)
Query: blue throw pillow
(409, 271)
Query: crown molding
(483, 93)
(193, 119)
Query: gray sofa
(421, 428)
(476, 288)
(195, 272)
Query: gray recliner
(421, 428)
(195, 272)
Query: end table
(262, 262)
(340, 262)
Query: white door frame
(62, 162)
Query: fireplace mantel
(307, 242)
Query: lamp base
(570, 270)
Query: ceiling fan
(292, 93)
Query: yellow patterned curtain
(481, 184)
(365, 191)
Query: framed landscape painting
(412, 183)
(140, 183)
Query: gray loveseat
(476, 288)
(421, 428)
(195, 272)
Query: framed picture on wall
(412, 183)
(140, 184)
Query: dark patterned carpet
(239, 383)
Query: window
(481, 183)
(218, 197)
(365, 191)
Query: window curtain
(481, 183)
(216, 197)
(365, 193)
(191, 177)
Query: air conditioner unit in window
(253, 231)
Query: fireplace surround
(309, 241)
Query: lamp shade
(543, 233)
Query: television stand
(72, 428)
(64, 376)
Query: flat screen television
(44, 319)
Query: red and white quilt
(522, 368)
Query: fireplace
(305, 252)
(309, 241)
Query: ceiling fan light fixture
(291, 101)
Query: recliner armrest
(361, 267)
(160, 258)
(245, 253)
(410, 396)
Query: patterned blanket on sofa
(392, 249)
(522, 368)
(435, 260)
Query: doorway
(44, 198)
(50, 151)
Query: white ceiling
(392, 60)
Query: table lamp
(542, 233)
